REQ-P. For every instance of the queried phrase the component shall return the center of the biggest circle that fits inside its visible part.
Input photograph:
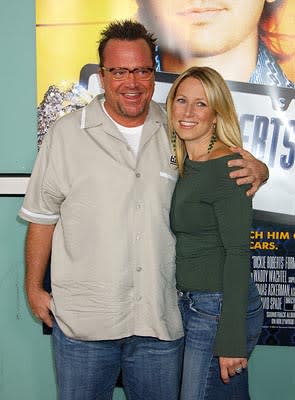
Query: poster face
(252, 44)
(237, 38)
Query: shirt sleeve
(44, 195)
(233, 210)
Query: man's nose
(131, 79)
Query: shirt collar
(93, 115)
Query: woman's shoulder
(222, 152)
(219, 169)
(220, 157)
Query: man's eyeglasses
(120, 74)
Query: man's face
(205, 27)
(127, 101)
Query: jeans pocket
(255, 316)
(255, 309)
(59, 335)
(206, 305)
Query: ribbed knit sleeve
(233, 211)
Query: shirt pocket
(170, 177)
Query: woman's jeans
(201, 373)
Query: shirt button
(138, 269)
(138, 298)
(137, 237)
(137, 175)
(138, 206)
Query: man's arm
(251, 170)
(38, 248)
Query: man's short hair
(125, 30)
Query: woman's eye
(180, 100)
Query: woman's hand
(230, 366)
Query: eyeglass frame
(130, 71)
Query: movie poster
(252, 44)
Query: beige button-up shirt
(113, 256)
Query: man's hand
(39, 301)
(230, 366)
(251, 170)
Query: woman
(238, 38)
(211, 218)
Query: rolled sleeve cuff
(38, 218)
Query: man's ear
(100, 77)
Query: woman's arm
(233, 212)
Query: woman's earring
(173, 140)
(213, 139)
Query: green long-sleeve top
(211, 218)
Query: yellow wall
(66, 36)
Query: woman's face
(205, 27)
(192, 117)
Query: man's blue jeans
(201, 373)
(88, 370)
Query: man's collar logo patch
(173, 159)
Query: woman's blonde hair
(219, 99)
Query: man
(99, 199)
